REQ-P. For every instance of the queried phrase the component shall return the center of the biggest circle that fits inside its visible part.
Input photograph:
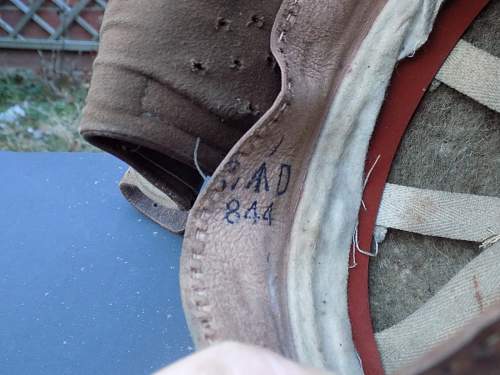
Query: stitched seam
(199, 297)
(161, 118)
(154, 77)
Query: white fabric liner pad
(326, 216)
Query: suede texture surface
(168, 72)
(452, 144)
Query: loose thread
(370, 171)
(206, 178)
(355, 237)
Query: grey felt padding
(484, 33)
(452, 144)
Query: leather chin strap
(152, 202)
(408, 86)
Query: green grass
(52, 112)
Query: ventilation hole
(245, 107)
(197, 66)
(236, 64)
(257, 21)
(155, 204)
(222, 23)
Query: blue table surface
(87, 284)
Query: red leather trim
(408, 85)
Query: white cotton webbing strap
(439, 213)
(473, 72)
(464, 297)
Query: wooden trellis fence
(57, 25)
